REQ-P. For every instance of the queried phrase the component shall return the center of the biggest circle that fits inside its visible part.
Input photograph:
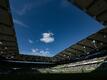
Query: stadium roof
(98, 10)
(94, 42)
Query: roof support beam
(5, 24)
(7, 34)
(3, 8)
(6, 41)
(85, 45)
(97, 40)
(78, 50)
(94, 1)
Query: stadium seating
(76, 67)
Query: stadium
(86, 56)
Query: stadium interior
(86, 56)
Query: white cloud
(35, 50)
(30, 41)
(40, 52)
(44, 53)
(47, 38)
(25, 9)
(30, 5)
(20, 23)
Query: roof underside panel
(8, 42)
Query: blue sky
(46, 27)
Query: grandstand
(84, 56)
(91, 47)
(83, 66)
(97, 9)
